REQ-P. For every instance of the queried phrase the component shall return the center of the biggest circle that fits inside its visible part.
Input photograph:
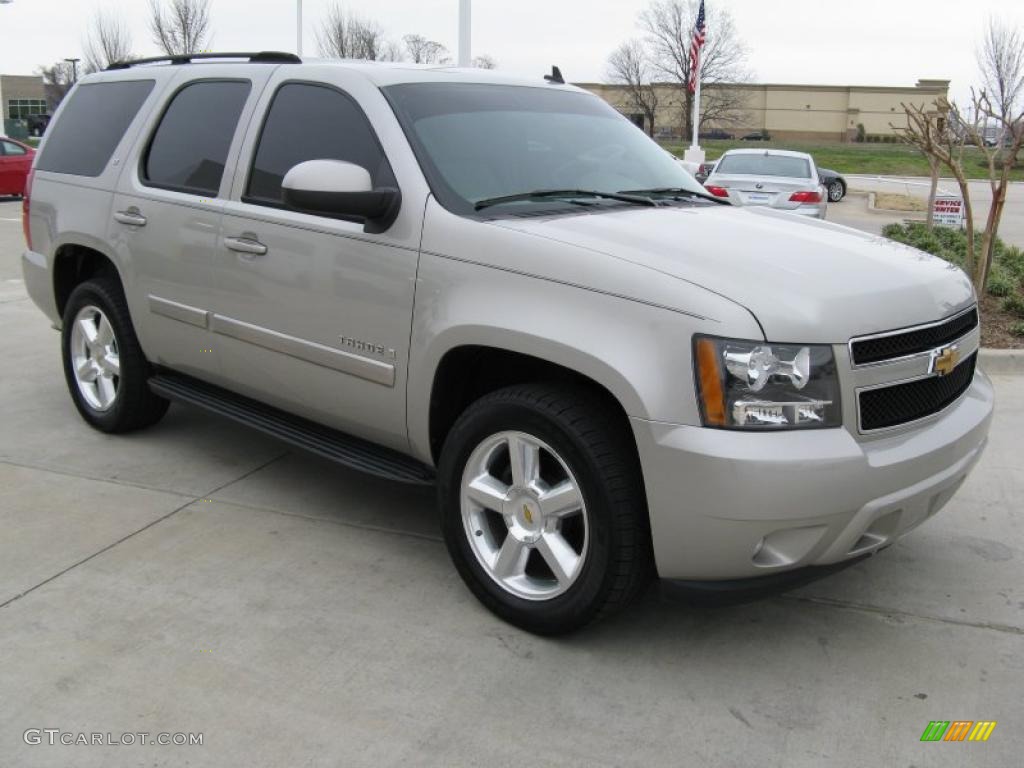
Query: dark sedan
(834, 184)
(717, 134)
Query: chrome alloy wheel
(94, 358)
(835, 191)
(524, 516)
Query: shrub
(1017, 329)
(1012, 259)
(861, 133)
(1014, 305)
(1000, 281)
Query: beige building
(788, 112)
(21, 96)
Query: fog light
(753, 413)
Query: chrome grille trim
(910, 330)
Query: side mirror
(341, 190)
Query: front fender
(640, 353)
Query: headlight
(756, 385)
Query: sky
(848, 42)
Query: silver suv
(502, 287)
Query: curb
(1002, 362)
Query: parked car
(835, 185)
(401, 281)
(37, 124)
(783, 180)
(15, 162)
(757, 136)
(717, 134)
(703, 171)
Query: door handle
(247, 245)
(131, 217)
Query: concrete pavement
(197, 577)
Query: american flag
(695, 45)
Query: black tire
(601, 455)
(135, 406)
(836, 191)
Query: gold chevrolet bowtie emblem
(945, 360)
(528, 514)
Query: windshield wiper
(567, 193)
(673, 192)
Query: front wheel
(836, 191)
(543, 507)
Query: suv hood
(804, 280)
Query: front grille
(912, 342)
(902, 403)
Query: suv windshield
(764, 165)
(480, 142)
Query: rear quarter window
(91, 125)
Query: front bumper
(732, 505)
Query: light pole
(465, 32)
(74, 69)
(298, 27)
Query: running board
(352, 452)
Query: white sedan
(786, 181)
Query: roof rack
(260, 57)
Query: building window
(19, 109)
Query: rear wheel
(543, 508)
(836, 191)
(106, 372)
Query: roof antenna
(555, 76)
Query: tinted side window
(190, 147)
(312, 122)
(11, 149)
(91, 125)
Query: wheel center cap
(524, 516)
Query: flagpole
(695, 146)
(694, 157)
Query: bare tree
(343, 35)
(108, 42)
(183, 27)
(1000, 160)
(1001, 61)
(484, 61)
(57, 81)
(940, 138)
(424, 51)
(669, 27)
(944, 141)
(629, 66)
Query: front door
(312, 313)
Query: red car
(15, 163)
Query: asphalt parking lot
(853, 210)
(200, 578)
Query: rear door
(168, 205)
